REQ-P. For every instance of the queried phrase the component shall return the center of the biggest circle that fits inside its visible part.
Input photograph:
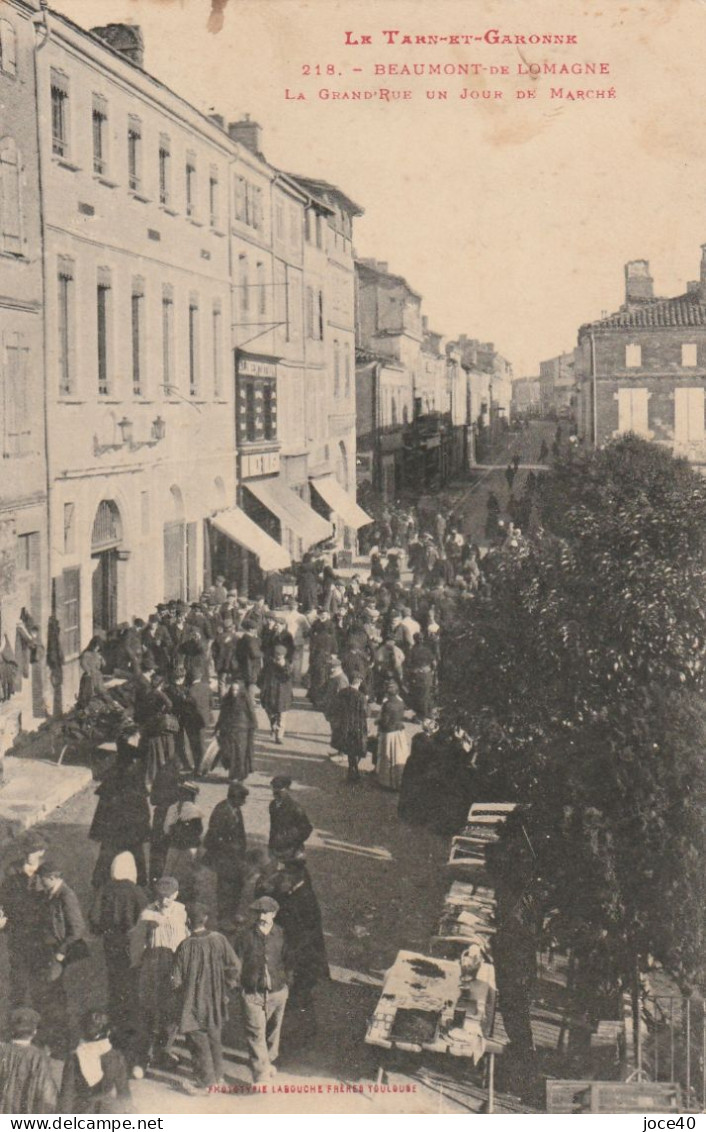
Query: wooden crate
(612, 1096)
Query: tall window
(250, 412)
(217, 328)
(633, 356)
(8, 48)
(633, 412)
(167, 339)
(269, 412)
(261, 289)
(138, 336)
(100, 134)
(309, 312)
(65, 305)
(239, 198)
(17, 432)
(213, 201)
(319, 230)
(193, 346)
(347, 367)
(320, 314)
(103, 331)
(165, 170)
(134, 153)
(244, 277)
(10, 200)
(689, 355)
(59, 113)
(336, 368)
(190, 184)
(70, 614)
(257, 209)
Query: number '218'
(318, 69)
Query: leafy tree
(579, 672)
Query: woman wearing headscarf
(322, 645)
(277, 691)
(419, 677)
(349, 725)
(95, 1078)
(164, 793)
(114, 917)
(393, 748)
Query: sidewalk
(32, 789)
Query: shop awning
(241, 529)
(341, 502)
(291, 510)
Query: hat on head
(248, 624)
(166, 886)
(198, 914)
(334, 662)
(237, 790)
(280, 650)
(23, 1022)
(281, 782)
(190, 786)
(265, 904)
(228, 622)
(50, 869)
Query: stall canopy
(291, 510)
(237, 526)
(341, 502)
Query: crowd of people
(186, 910)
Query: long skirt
(393, 752)
(236, 749)
(421, 688)
(159, 750)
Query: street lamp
(125, 426)
(159, 429)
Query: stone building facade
(643, 368)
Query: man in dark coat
(21, 905)
(299, 917)
(249, 654)
(198, 719)
(349, 725)
(223, 653)
(122, 818)
(289, 825)
(308, 586)
(226, 845)
(235, 730)
(205, 968)
(26, 1082)
(62, 932)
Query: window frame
(134, 153)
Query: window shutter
(10, 190)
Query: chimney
(218, 120)
(693, 287)
(703, 272)
(126, 39)
(638, 282)
(383, 266)
(247, 133)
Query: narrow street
(468, 502)
(380, 884)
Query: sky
(513, 217)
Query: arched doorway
(106, 539)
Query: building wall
(652, 401)
(23, 494)
(151, 236)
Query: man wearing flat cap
(289, 825)
(226, 845)
(264, 979)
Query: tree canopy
(580, 674)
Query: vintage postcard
(351, 568)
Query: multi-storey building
(388, 342)
(330, 290)
(139, 392)
(643, 368)
(557, 382)
(526, 397)
(23, 485)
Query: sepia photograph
(352, 558)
